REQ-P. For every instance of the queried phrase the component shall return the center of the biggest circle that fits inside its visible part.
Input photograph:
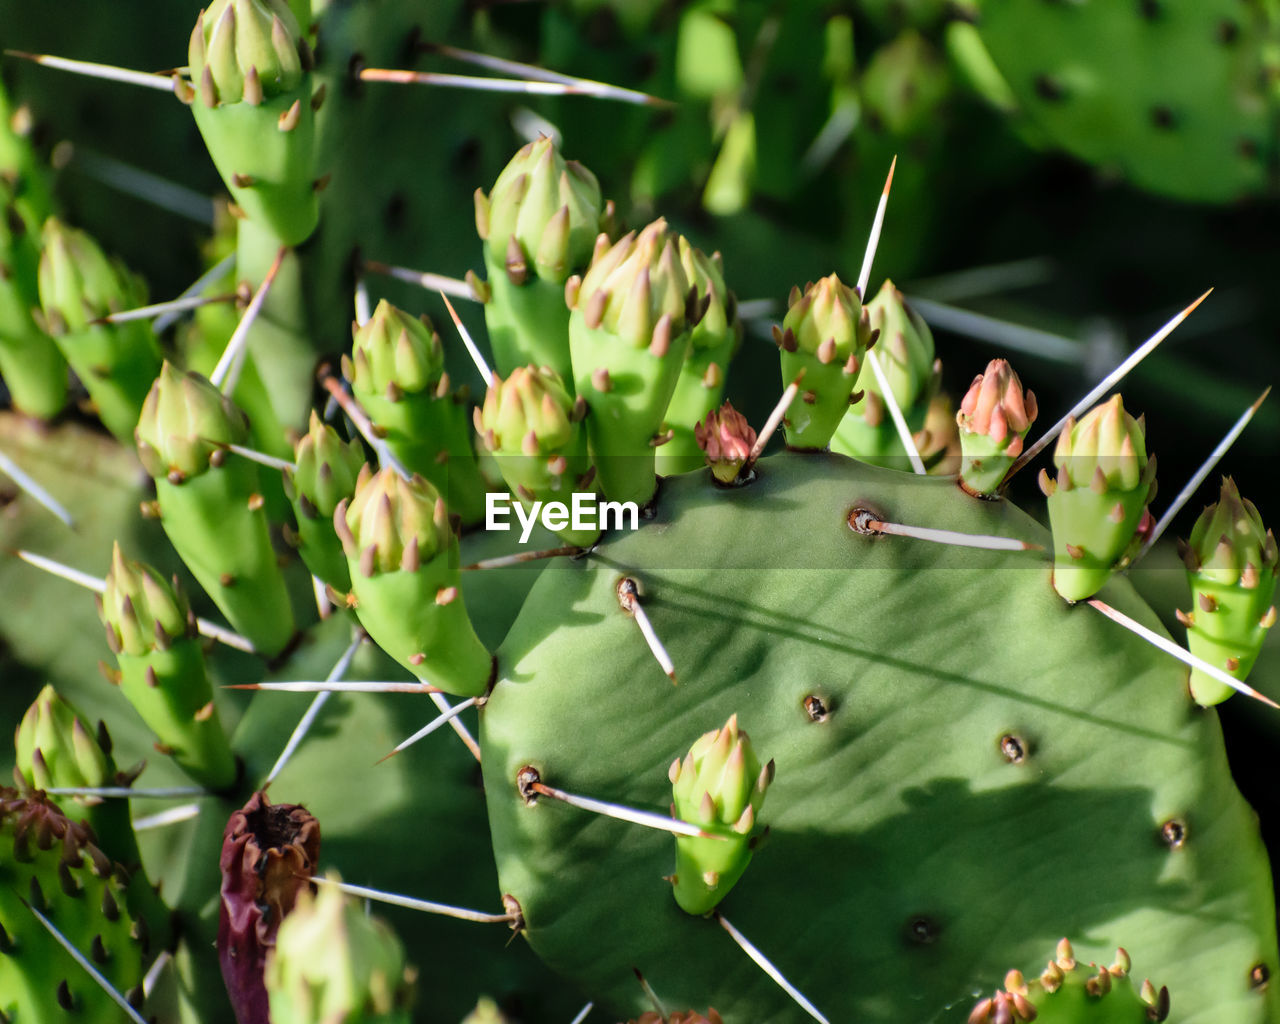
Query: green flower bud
(326, 469)
(332, 963)
(403, 560)
(904, 349)
(638, 290)
(184, 424)
(1231, 566)
(250, 50)
(714, 340)
(629, 336)
(1104, 484)
(719, 786)
(33, 369)
(541, 217)
(141, 611)
(824, 336)
(115, 362)
(325, 473)
(1070, 989)
(392, 523)
(54, 749)
(394, 352)
(995, 415)
(727, 439)
(534, 429)
(78, 283)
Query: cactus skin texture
(1068, 991)
(51, 864)
(1231, 567)
(833, 645)
(333, 964)
(1191, 70)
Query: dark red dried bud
(269, 853)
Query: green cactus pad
(1126, 85)
(942, 808)
(53, 866)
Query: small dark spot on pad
(816, 708)
(1173, 833)
(922, 931)
(1163, 118)
(1013, 749)
(1228, 32)
(1048, 88)
(1259, 975)
(1149, 9)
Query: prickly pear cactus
(960, 765)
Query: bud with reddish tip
(995, 415)
(269, 853)
(825, 335)
(719, 786)
(405, 580)
(726, 438)
(714, 340)
(1231, 566)
(1105, 481)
